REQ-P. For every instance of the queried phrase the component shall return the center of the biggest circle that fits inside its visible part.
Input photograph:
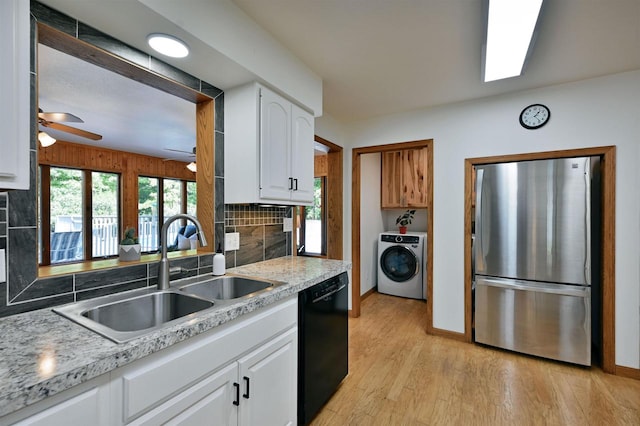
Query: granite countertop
(42, 353)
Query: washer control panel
(400, 238)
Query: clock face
(534, 116)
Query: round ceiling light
(168, 45)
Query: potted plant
(129, 246)
(404, 219)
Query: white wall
(371, 220)
(225, 27)
(596, 112)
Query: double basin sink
(125, 316)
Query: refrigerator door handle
(587, 221)
(480, 259)
(560, 289)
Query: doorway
(355, 220)
(607, 254)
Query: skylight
(510, 29)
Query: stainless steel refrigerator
(533, 257)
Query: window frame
(44, 199)
(323, 223)
(183, 202)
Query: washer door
(399, 263)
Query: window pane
(148, 231)
(172, 206)
(172, 197)
(104, 214)
(313, 221)
(66, 215)
(192, 199)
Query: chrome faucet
(163, 272)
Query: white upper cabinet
(302, 137)
(14, 94)
(268, 148)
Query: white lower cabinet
(209, 402)
(243, 372)
(258, 389)
(268, 383)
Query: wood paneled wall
(129, 165)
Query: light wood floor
(399, 375)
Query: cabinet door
(404, 179)
(392, 195)
(414, 180)
(276, 180)
(210, 402)
(302, 155)
(14, 89)
(268, 381)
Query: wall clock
(534, 116)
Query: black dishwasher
(323, 338)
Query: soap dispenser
(218, 262)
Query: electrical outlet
(231, 241)
(287, 224)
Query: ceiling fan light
(45, 139)
(192, 166)
(168, 45)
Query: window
(65, 196)
(148, 213)
(105, 217)
(312, 239)
(178, 196)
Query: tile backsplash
(261, 234)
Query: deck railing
(66, 240)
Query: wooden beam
(205, 160)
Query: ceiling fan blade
(180, 151)
(65, 117)
(72, 130)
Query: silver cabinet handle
(480, 260)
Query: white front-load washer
(402, 264)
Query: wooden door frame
(608, 172)
(334, 200)
(355, 221)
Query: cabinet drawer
(153, 380)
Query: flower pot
(130, 252)
(403, 229)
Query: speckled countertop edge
(42, 353)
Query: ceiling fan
(191, 166)
(52, 119)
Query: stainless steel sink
(229, 287)
(125, 316)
